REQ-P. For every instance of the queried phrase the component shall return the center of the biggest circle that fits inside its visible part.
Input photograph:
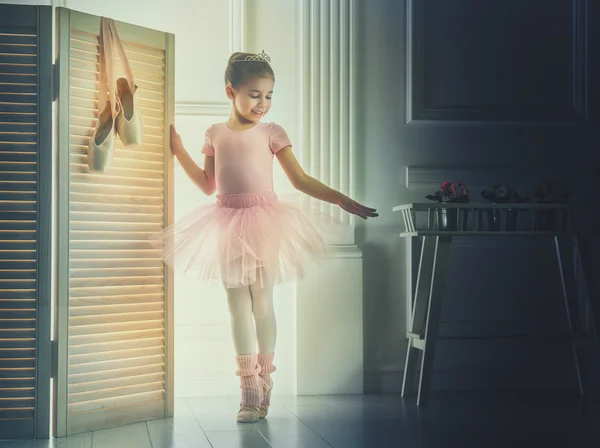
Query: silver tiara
(261, 57)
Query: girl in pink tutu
(249, 239)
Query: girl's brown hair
(239, 70)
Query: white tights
(246, 303)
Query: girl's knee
(262, 305)
(240, 303)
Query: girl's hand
(355, 208)
(176, 143)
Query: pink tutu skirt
(242, 239)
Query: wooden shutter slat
(18, 216)
(17, 383)
(117, 171)
(17, 343)
(118, 382)
(90, 62)
(155, 341)
(17, 333)
(135, 165)
(21, 49)
(19, 137)
(100, 405)
(112, 282)
(12, 204)
(18, 87)
(97, 179)
(113, 245)
(23, 157)
(18, 294)
(131, 299)
(114, 328)
(24, 59)
(117, 217)
(6, 96)
(106, 313)
(130, 47)
(17, 108)
(6, 117)
(19, 392)
(21, 69)
(18, 275)
(15, 247)
(106, 394)
(117, 364)
(19, 36)
(90, 52)
(19, 79)
(117, 373)
(113, 272)
(116, 226)
(118, 199)
(17, 304)
(83, 87)
(17, 264)
(110, 255)
(113, 337)
(90, 92)
(111, 190)
(116, 355)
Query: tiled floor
(371, 421)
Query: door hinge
(53, 359)
(55, 83)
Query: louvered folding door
(25, 217)
(115, 357)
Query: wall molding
(326, 96)
(417, 109)
(237, 42)
(202, 109)
(237, 25)
(344, 251)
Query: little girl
(249, 240)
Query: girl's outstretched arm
(203, 178)
(312, 187)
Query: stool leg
(440, 264)
(423, 289)
(563, 282)
(419, 311)
(410, 365)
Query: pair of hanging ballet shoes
(127, 124)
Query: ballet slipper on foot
(263, 409)
(248, 414)
(252, 387)
(267, 367)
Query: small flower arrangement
(451, 192)
(503, 194)
(552, 192)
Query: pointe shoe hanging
(129, 120)
(101, 149)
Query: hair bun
(235, 56)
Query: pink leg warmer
(266, 368)
(250, 383)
